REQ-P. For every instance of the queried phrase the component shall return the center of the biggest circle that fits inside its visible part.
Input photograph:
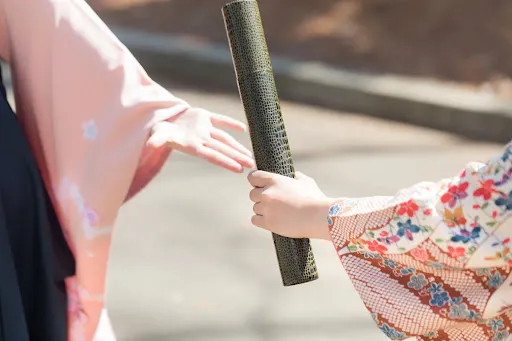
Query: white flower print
(90, 219)
(90, 130)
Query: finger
(219, 159)
(226, 121)
(258, 221)
(231, 153)
(229, 140)
(301, 176)
(258, 208)
(256, 194)
(260, 178)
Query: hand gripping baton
(259, 97)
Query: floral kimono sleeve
(433, 262)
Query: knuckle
(266, 196)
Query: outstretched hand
(196, 132)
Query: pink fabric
(88, 108)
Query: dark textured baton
(267, 131)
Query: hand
(294, 208)
(195, 132)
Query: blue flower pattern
(496, 324)
(391, 264)
(407, 229)
(392, 333)
(496, 280)
(466, 236)
(457, 216)
(440, 299)
(417, 282)
(436, 288)
(407, 271)
(506, 202)
(333, 211)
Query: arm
(66, 63)
(404, 253)
(466, 218)
(100, 129)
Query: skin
(290, 207)
(197, 132)
(294, 208)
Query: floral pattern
(91, 137)
(437, 253)
(90, 130)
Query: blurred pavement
(187, 264)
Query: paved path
(187, 265)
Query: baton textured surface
(267, 131)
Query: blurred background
(187, 264)
(464, 41)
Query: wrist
(321, 227)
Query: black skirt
(34, 256)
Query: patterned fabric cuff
(341, 206)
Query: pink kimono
(88, 109)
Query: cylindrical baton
(259, 97)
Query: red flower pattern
(374, 246)
(420, 254)
(457, 252)
(409, 208)
(486, 190)
(413, 275)
(455, 193)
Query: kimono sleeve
(461, 222)
(67, 65)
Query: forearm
(68, 63)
